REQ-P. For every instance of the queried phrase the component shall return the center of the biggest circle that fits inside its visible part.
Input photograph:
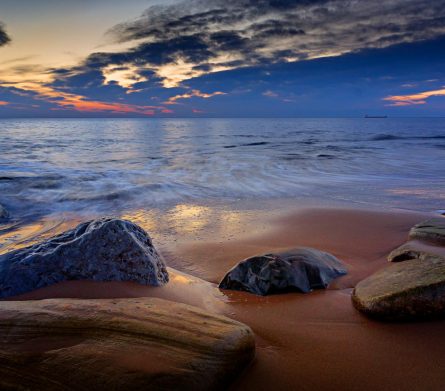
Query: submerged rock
(301, 269)
(3, 213)
(432, 230)
(125, 344)
(100, 250)
(409, 290)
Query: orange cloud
(194, 93)
(413, 99)
(3, 103)
(80, 103)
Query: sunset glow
(222, 195)
(288, 59)
(414, 99)
(194, 93)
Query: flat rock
(409, 290)
(300, 269)
(432, 230)
(118, 344)
(99, 250)
(415, 249)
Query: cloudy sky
(62, 58)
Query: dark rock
(4, 215)
(301, 269)
(432, 230)
(125, 344)
(100, 250)
(409, 290)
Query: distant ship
(376, 116)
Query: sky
(222, 58)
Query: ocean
(109, 166)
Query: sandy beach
(314, 341)
(222, 195)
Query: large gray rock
(100, 250)
(118, 344)
(432, 230)
(301, 269)
(409, 290)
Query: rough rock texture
(301, 269)
(100, 250)
(432, 230)
(409, 290)
(415, 250)
(4, 215)
(112, 344)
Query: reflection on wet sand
(316, 340)
(193, 222)
(179, 223)
(19, 235)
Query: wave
(247, 144)
(152, 168)
(384, 137)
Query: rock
(118, 344)
(301, 269)
(415, 250)
(4, 215)
(426, 239)
(403, 253)
(100, 250)
(432, 230)
(409, 290)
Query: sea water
(110, 166)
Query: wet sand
(316, 341)
(319, 341)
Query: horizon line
(220, 117)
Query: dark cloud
(347, 85)
(189, 39)
(164, 22)
(4, 37)
(216, 34)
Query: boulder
(99, 250)
(409, 290)
(300, 269)
(432, 230)
(4, 215)
(118, 344)
(415, 249)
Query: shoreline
(316, 340)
